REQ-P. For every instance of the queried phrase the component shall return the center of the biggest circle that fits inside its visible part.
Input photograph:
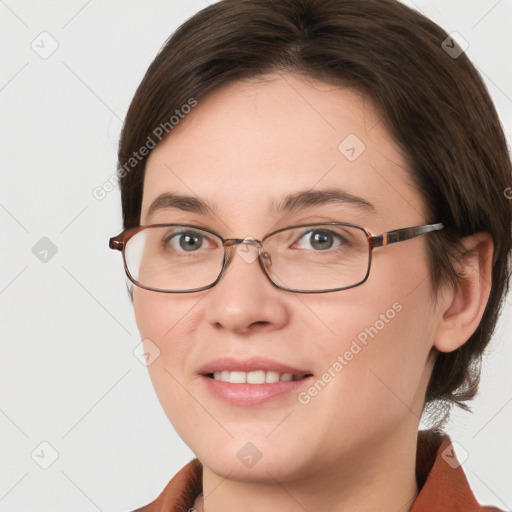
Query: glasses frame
(374, 241)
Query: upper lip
(249, 365)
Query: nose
(244, 299)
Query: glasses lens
(319, 257)
(174, 258)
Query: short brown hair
(435, 105)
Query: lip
(250, 395)
(249, 365)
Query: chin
(258, 461)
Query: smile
(254, 377)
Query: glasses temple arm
(400, 235)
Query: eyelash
(175, 236)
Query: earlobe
(461, 306)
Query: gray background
(68, 373)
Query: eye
(188, 241)
(320, 240)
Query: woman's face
(243, 150)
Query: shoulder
(441, 479)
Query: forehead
(248, 144)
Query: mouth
(256, 377)
(254, 381)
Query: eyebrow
(288, 204)
(308, 198)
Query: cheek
(160, 317)
(381, 343)
(165, 321)
(150, 313)
(170, 322)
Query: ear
(461, 306)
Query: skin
(248, 144)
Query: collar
(442, 482)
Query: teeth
(256, 377)
(237, 377)
(271, 377)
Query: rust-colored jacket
(443, 485)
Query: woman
(318, 237)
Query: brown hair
(433, 103)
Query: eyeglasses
(309, 258)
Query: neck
(381, 478)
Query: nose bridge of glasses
(248, 241)
(249, 249)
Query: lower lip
(248, 395)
